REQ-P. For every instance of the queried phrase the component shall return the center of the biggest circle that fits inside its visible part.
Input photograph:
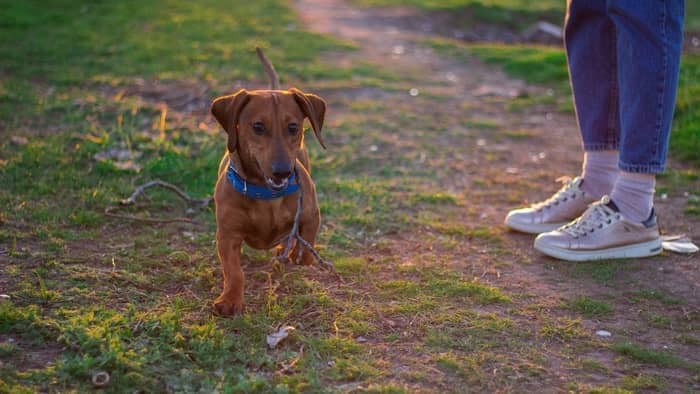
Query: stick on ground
(198, 203)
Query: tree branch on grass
(198, 203)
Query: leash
(294, 235)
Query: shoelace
(597, 216)
(564, 194)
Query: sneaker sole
(534, 228)
(643, 249)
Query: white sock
(600, 172)
(633, 194)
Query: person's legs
(633, 195)
(648, 39)
(589, 38)
(649, 36)
(600, 172)
(590, 48)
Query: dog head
(266, 129)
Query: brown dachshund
(260, 176)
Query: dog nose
(281, 171)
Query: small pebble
(19, 140)
(413, 92)
(603, 333)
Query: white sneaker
(602, 233)
(564, 206)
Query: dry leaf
(678, 244)
(277, 337)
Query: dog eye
(293, 128)
(258, 128)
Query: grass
(656, 295)
(426, 301)
(110, 41)
(685, 137)
(590, 307)
(650, 356)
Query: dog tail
(269, 70)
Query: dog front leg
(230, 302)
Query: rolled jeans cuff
(596, 146)
(641, 168)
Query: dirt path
(492, 174)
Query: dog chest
(266, 227)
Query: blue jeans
(624, 59)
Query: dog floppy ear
(313, 108)
(226, 110)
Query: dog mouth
(276, 185)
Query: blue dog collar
(258, 192)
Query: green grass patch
(106, 41)
(590, 307)
(601, 271)
(650, 356)
(481, 124)
(685, 137)
(563, 330)
(8, 350)
(472, 332)
(27, 322)
(643, 382)
(692, 16)
(656, 295)
(534, 64)
(466, 368)
(458, 287)
(520, 134)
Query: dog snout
(281, 170)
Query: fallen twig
(201, 202)
(289, 368)
(198, 203)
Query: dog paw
(223, 307)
